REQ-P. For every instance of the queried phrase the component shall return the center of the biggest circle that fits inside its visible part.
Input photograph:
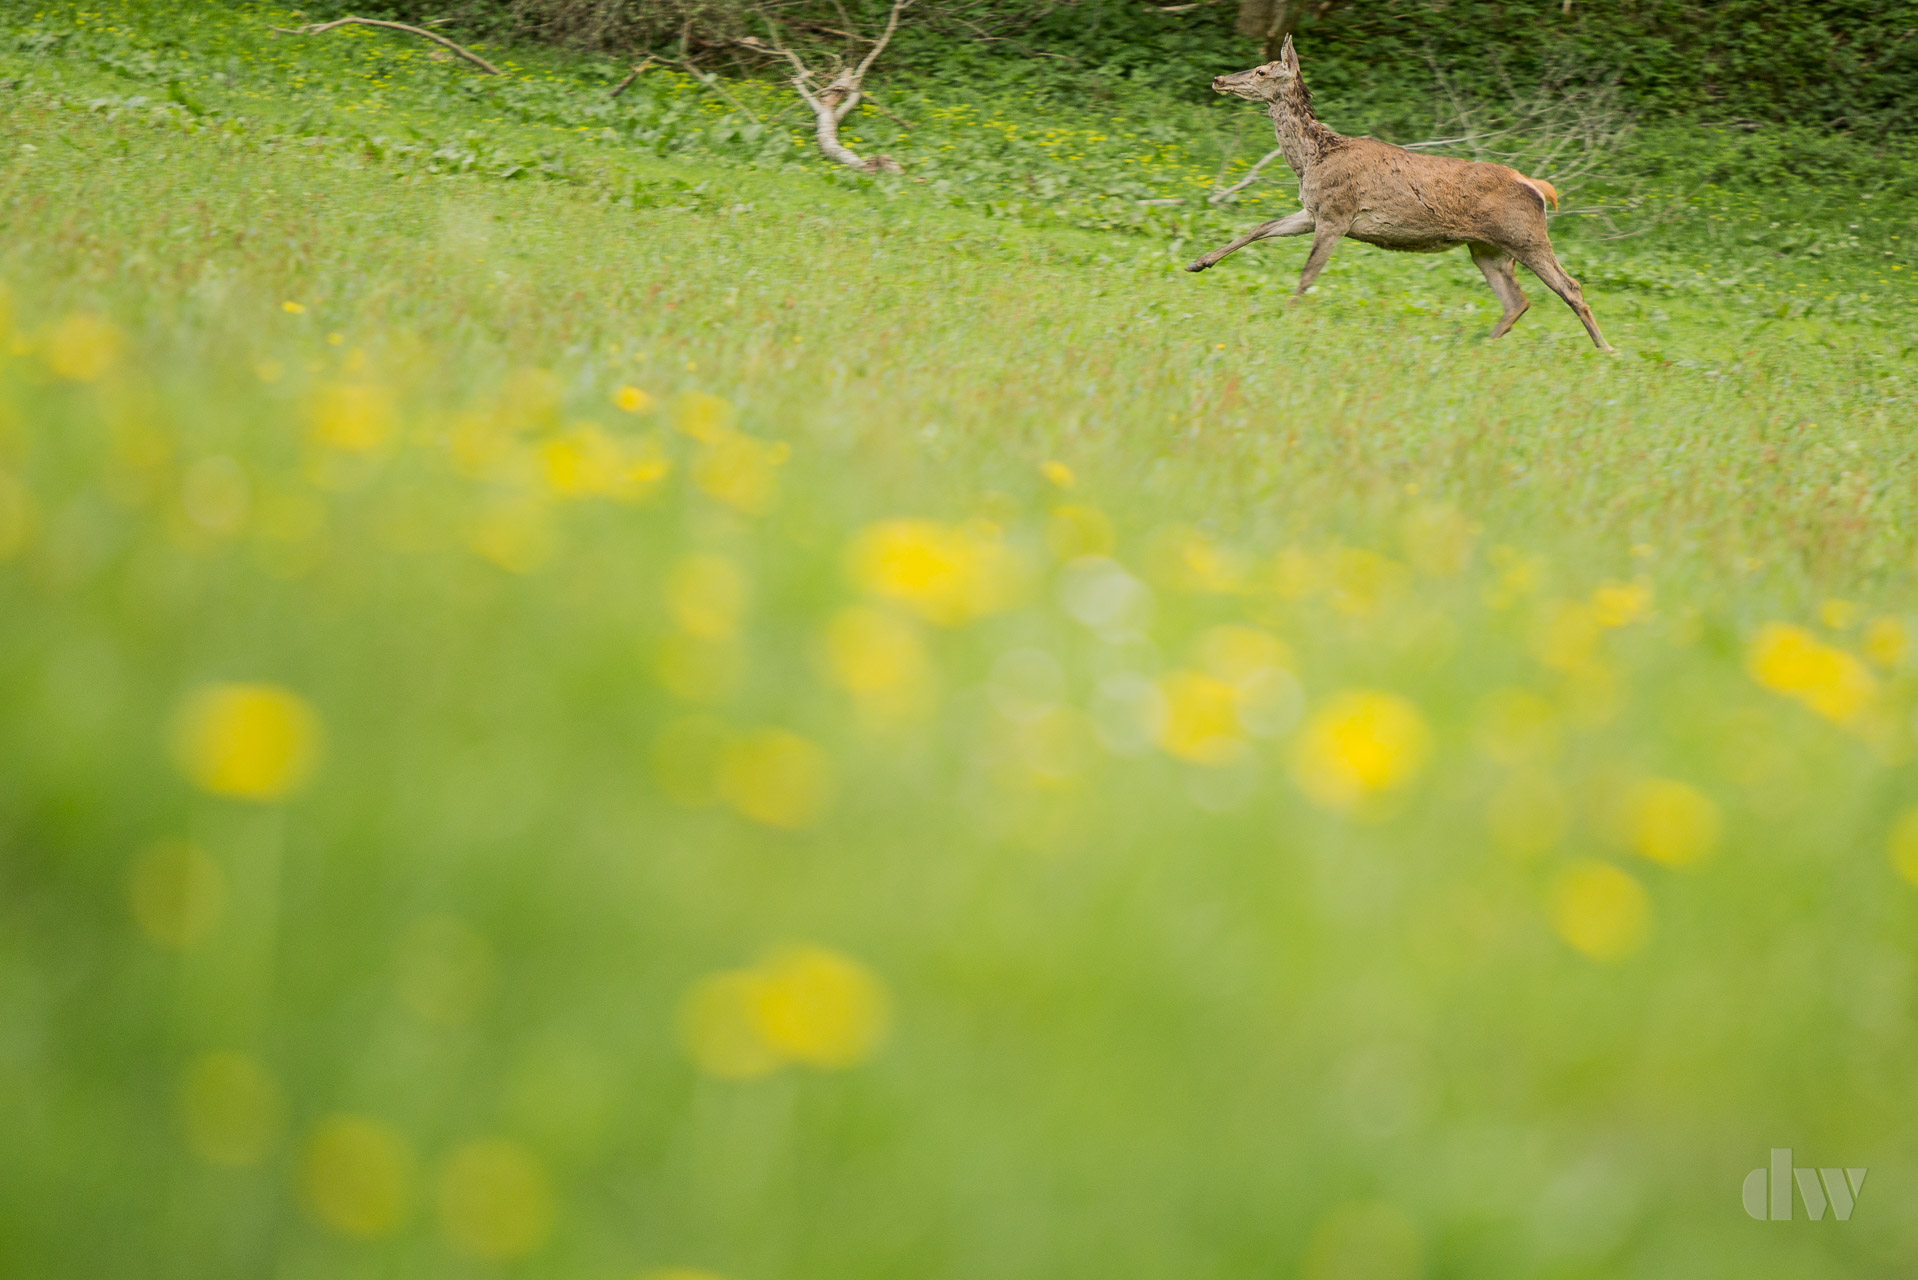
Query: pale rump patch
(1547, 194)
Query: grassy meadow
(586, 698)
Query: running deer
(1399, 199)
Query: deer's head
(1266, 83)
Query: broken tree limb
(631, 76)
(318, 28)
(832, 104)
(1220, 197)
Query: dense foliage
(1842, 64)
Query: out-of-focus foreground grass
(821, 736)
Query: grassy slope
(1149, 1021)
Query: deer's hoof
(1200, 265)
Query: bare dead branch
(631, 76)
(1220, 197)
(318, 28)
(831, 104)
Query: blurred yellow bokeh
(495, 1201)
(178, 894)
(776, 778)
(256, 742)
(1077, 530)
(353, 417)
(1791, 660)
(949, 574)
(232, 1109)
(820, 1008)
(880, 660)
(358, 1176)
(1359, 744)
(632, 400)
(719, 1026)
(1599, 910)
(1201, 721)
(1670, 822)
(808, 1005)
(83, 347)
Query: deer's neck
(1302, 138)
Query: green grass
(1150, 1014)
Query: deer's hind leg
(1296, 224)
(1543, 263)
(1499, 269)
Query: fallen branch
(832, 104)
(631, 76)
(1220, 197)
(318, 28)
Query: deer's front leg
(1296, 224)
(1324, 240)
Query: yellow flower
(1057, 473)
(353, 417)
(1360, 744)
(804, 1004)
(1838, 614)
(1193, 561)
(1619, 604)
(1076, 530)
(495, 1202)
(1671, 822)
(1886, 642)
(1600, 911)
(820, 1008)
(949, 574)
(83, 347)
(1362, 581)
(1792, 661)
(588, 462)
(1201, 721)
(177, 893)
(633, 400)
(358, 1177)
(706, 595)
(706, 418)
(719, 1026)
(741, 471)
(248, 741)
(232, 1109)
(880, 660)
(1904, 845)
(293, 308)
(776, 778)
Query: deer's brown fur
(1399, 199)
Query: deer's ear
(1290, 56)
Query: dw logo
(1841, 1187)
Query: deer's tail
(1547, 194)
